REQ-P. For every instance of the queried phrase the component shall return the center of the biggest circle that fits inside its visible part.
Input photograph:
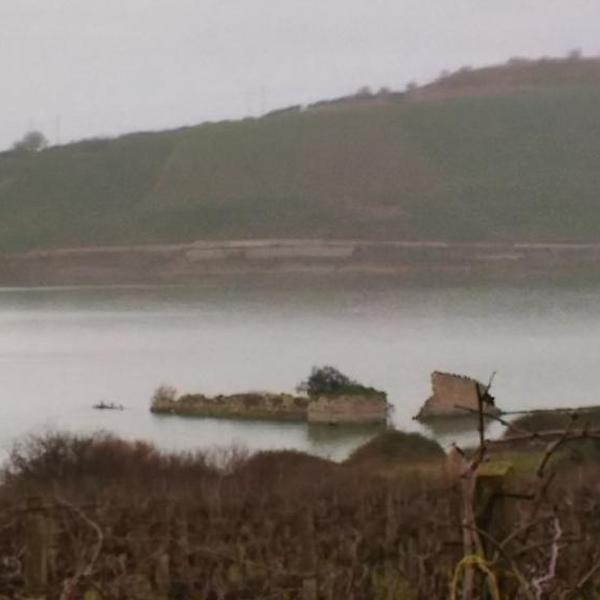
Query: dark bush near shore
(556, 420)
(579, 451)
(271, 468)
(90, 462)
(396, 447)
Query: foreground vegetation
(493, 154)
(269, 525)
(120, 520)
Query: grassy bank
(515, 162)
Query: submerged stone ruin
(328, 396)
(450, 391)
(369, 407)
(251, 405)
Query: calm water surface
(64, 349)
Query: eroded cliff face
(451, 391)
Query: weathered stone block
(451, 391)
(349, 409)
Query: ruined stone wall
(236, 406)
(349, 409)
(285, 407)
(449, 391)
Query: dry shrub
(254, 528)
(68, 460)
(393, 447)
(272, 467)
(233, 525)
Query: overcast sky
(82, 68)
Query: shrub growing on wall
(164, 393)
(328, 380)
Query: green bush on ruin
(329, 381)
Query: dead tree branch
(70, 584)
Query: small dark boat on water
(108, 406)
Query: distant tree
(325, 380)
(574, 54)
(163, 393)
(411, 85)
(384, 91)
(444, 73)
(364, 92)
(32, 141)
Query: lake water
(64, 349)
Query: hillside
(508, 153)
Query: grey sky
(109, 66)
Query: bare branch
(539, 582)
(71, 583)
(509, 559)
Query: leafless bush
(259, 527)
(132, 522)
(88, 462)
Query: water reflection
(338, 441)
(329, 441)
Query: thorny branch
(70, 585)
(538, 583)
(515, 543)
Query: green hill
(499, 154)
